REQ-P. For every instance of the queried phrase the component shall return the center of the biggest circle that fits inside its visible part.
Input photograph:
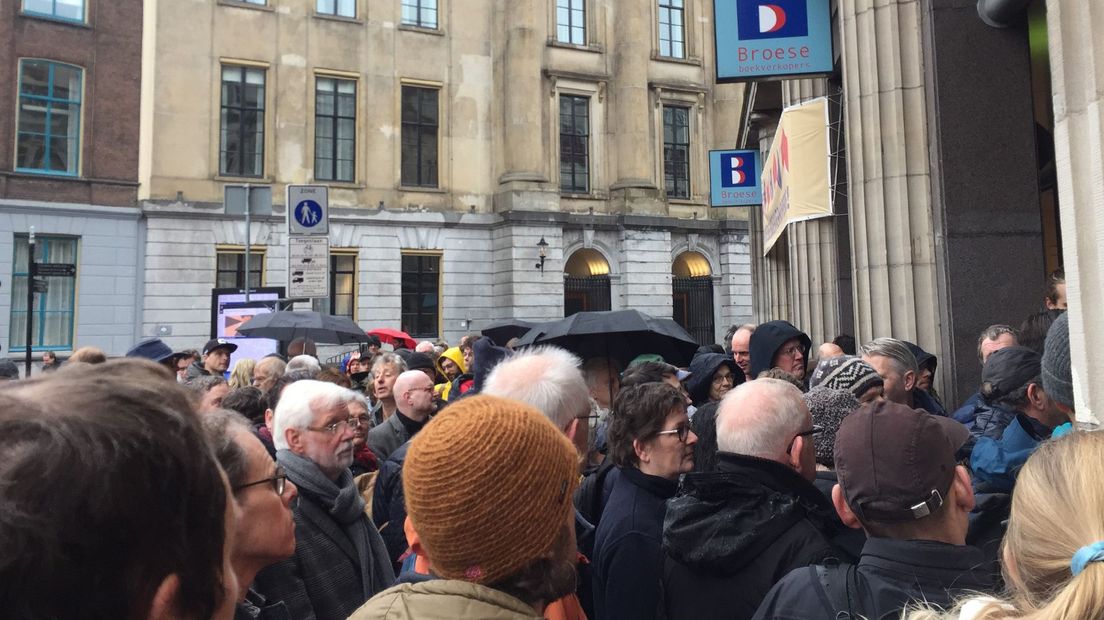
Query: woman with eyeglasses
(712, 375)
(651, 444)
(265, 532)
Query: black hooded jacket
(768, 338)
(703, 367)
(731, 534)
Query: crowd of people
(762, 480)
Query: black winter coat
(733, 533)
(768, 338)
(890, 575)
(627, 558)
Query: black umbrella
(618, 334)
(287, 326)
(501, 333)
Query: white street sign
(308, 209)
(308, 266)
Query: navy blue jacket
(627, 558)
(997, 462)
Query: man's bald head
(413, 392)
(763, 418)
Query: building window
(571, 21)
(48, 134)
(340, 8)
(230, 269)
(574, 144)
(671, 29)
(420, 13)
(52, 318)
(241, 140)
(69, 10)
(419, 136)
(342, 300)
(334, 129)
(421, 294)
(676, 151)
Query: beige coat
(443, 599)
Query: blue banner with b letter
(734, 179)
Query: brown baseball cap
(896, 464)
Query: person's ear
(641, 449)
(294, 439)
(794, 456)
(164, 600)
(572, 429)
(270, 417)
(909, 379)
(843, 510)
(1036, 396)
(963, 489)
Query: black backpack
(589, 496)
(841, 586)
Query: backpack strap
(835, 580)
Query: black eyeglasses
(682, 432)
(278, 482)
(815, 430)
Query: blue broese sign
(734, 179)
(757, 39)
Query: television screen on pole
(764, 39)
(229, 310)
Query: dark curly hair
(639, 413)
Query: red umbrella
(394, 337)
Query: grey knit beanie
(1057, 377)
(828, 406)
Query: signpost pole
(30, 297)
(248, 209)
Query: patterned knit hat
(846, 373)
(488, 484)
(828, 406)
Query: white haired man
(340, 560)
(758, 513)
(897, 366)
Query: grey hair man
(900, 374)
(995, 338)
(267, 371)
(414, 404)
(209, 390)
(303, 362)
(340, 560)
(549, 379)
(765, 442)
(385, 370)
(265, 532)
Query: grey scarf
(343, 502)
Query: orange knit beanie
(488, 486)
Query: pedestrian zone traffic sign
(308, 208)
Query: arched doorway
(586, 282)
(692, 290)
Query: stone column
(631, 111)
(1076, 55)
(646, 271)
(886, 118)
(521, 85)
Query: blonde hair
(1057, 508)
(242, 375)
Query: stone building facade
(69, 169)
(454, 137)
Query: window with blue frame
(52, 318)
(69, 10)
(48, 125)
